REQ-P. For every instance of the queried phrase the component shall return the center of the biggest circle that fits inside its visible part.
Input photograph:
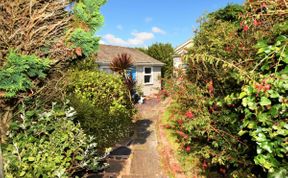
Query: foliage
(19, 71)
(86, 41)
(163, 52)
(265, 108)
(233, 114)
(103, 105)
(88, 12)
(48, 144)
(229, 13)
(88, 19)
(121, 63)
(50, 32)
(205, 130)
(38, 34)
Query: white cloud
(119, 27)
(139, 38)
(158, 30)
(111, 39)
(102, 42)
(148, 19)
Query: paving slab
(145, 159)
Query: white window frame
(151, 81)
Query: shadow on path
(141, 131)
(137, 158)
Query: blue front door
(133, 73)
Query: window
(148, 78)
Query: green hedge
(103, 105)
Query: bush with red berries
(230, 109)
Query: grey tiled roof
(106, 53)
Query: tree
(36, 39)
(163, 52)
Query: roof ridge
(119, 46)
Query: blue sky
(140, 23)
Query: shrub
(48, 144)
(233, 113)
(266, 112)
(19, 71)
(207, 131)
(103, 105)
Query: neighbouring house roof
(182, 49)
(107, 53)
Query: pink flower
(267, 87)
(204, 165)
(246, 28)
(256, 23)
(189, 114)
(180, 122)
(188, 149)
(182, 134)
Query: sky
(140, 23)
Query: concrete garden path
(144, 161)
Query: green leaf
(242, 95)
(252, 125)
(281, 38)
(263, 117)
(22, 173)
(245, 102)
(31, 158)
(79, 158)
(273, 94)
(242, 132)
(265, 101)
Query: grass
(189, 163)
